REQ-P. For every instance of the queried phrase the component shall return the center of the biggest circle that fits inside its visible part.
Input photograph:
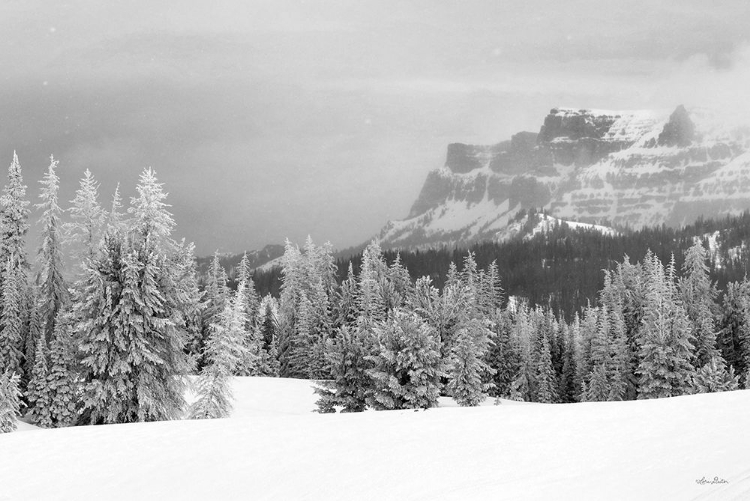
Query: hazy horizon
(269, 120)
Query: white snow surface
(275, 447)
(547, 223)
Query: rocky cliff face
(622, 168)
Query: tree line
(382, 340)
(124, 338)
(561, 268)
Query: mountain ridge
(626, 169)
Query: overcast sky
(275, 119)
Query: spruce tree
(713, 377)
(370, 300)
(131, 318)
(490, 294)
(214, 302)
(345, 305)
(600, 360)
(732, 336)
(61, 381)
(468, 373)
(87, 219)
(698, 295)
(38, 391)
(666, 350)
(306, 310)
(406, 364)
(349, 381)
(14, 215)
(53, 293)
(10, 401)
(289, 306)
(108, 395)
(224, 350)
(11, 328)
(545, 375)
(401, 286)
(522, 331)
(34, 330)
(598, 388)
(504, 355)
(266, 327)
(568, 389)
(114, 219)
(587, 331)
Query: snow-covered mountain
(616, 168)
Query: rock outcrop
(622, 168)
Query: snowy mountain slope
(654, 449)
(262, 258)
(527, 227)
(626, 168)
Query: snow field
(274, 447)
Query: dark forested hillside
(563, 267)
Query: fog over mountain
(271, 119)
(629, 169)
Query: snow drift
(276, 447)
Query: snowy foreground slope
(275, 448)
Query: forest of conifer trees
(120, 335)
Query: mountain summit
(621, 168)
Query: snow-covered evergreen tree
(214, 301)
(345, 304)
(598, 388)
(733, 337)
(131, 318)
(11, 321)
(586, 332)
(568, 391)
(406, 364)
(490, 292)
(306, 310)
(504, 355)
(225, 349)
(38, 392)
(61, 381)
(469, 376)
(267, 326)
(546, 391)
(34, 330)
(713, 377)
(370, 300)
(10, 401)
(252, 363)
(14, 215)
(666, 351)
(87, 219)
(53, 292)
(522, 331)
(115, 218)
(349, 381)
(698, 295)
(400, 284)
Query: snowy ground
(274, 447)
